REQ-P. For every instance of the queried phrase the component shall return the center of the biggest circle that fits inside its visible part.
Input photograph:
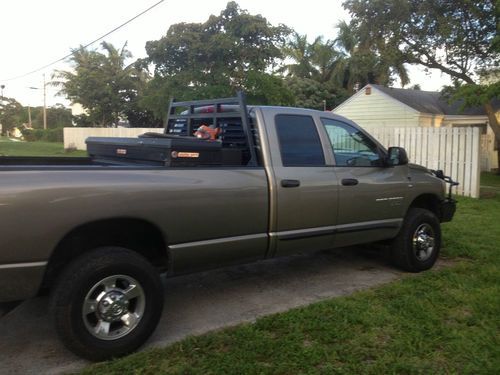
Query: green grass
(490, 184)
(441, 321)
(11, 148)
(490, 179)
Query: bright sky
(35, 33)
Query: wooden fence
(454, 150)
(75, 137)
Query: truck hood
(417, 167)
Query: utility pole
(44, 103)
(29, 116)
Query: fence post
(476, 167)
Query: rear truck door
(303, 186)
(371, 196)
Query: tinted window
(351, 147)
(299, 141)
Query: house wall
(378, 110)
(430, 121)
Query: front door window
(351, 147)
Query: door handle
(349, 181)
(290, 183)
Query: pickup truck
(97, 232)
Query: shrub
(49, 135)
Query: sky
(35, 33)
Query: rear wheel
(416, 247)
(107, 303)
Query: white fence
(454, 150)
(75, 137)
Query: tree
(310, 72)
(317, 60)
(300, 52)
(11, 113)
(58, 116)
(325, 60)
(234, 50)
(309, 93)
(360, 63)
(103, 84)
(138, 115)
(458, 37)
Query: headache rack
(183, 118)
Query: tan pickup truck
(259, 182)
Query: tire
(417, 245)
(106, 303)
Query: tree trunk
(496, 129)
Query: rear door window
(299, 141)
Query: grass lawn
(441, 321)
(490, 179)
(11, 148)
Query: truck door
(304, 193)
(371, 196)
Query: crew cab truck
(96, 232)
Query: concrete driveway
(202, 302)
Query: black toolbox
(161, 149)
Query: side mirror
(396, 156)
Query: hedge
(49, 135)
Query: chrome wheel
(113, 307)
(423, 242)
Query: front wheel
(416, 247)
(107, 303)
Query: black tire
(76, 282)
(404, 253)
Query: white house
(376, 106)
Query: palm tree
(102, 82)
(324, 59)
(299, 51)
(358, 65)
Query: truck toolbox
(163, 150)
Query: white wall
(427, 120)
(75, 137)
(377, 110)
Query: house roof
(431, 101)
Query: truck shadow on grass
(206, 301)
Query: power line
(85, 46)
